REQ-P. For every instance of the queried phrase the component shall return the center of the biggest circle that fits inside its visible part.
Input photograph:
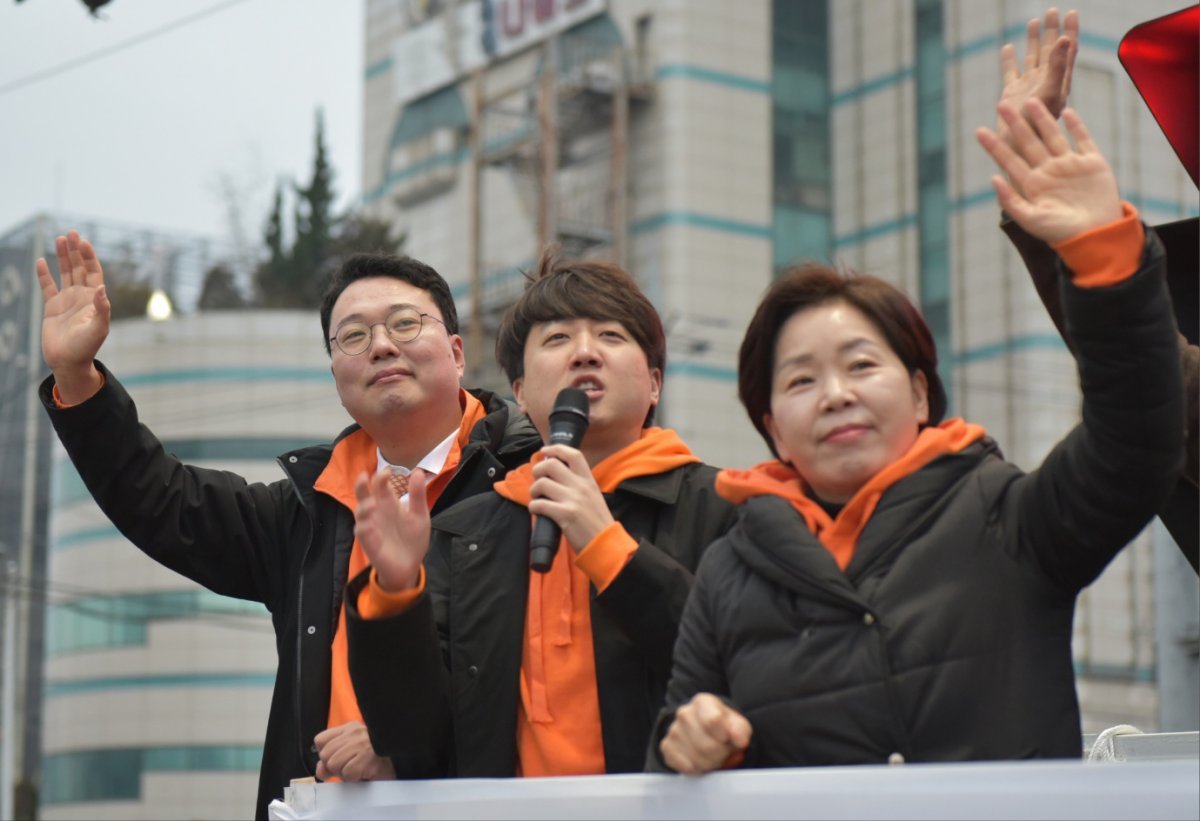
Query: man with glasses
(391, 331)
(468, 662)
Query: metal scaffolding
(562, 137)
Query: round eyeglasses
(402, 325)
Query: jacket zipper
(304, 749)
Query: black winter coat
(438, 685)
(948, 636)
(281, 544)
(1181, 512)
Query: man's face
(601, 358)
(391, 378)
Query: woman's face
(843, 406)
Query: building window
(933, 222)
(116, 774)
(427, 144)
(802, 224)
(104, 622)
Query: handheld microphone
(568, 423)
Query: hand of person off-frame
(75, 317)
(394, 536)
(564, 489)
(1046, 71)
(705, 734)
(1063, 190)
(345, 752)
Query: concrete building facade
(157, 691)
(707, 144)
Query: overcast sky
(183, 99)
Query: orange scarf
(558, 726)
(840, 535)
(657, 451)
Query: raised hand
(565, 490)
(1049, 61)
(75, 317)
(393, 535)
(706, 732)
(346, 753)
(1057, 191)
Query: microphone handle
(544, 544)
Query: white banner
(438, 52)
(472, 33)
(979, 790)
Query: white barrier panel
(1041, 789)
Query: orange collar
(840, 535)
(657, 451)
(357, 453)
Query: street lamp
(159, 307)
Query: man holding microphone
(467, 662)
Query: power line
(53, 71)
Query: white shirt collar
(432, 463)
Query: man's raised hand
(75, 317)
(393, 535)
(1046, 72)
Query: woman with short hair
(893, 589)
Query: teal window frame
(801, 104)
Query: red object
(1162, 57)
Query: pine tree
(274, 231)
(294, 277)
(220, 291)
(359, 232)
(273, 278)
(315, 222)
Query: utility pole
(619, 190)
(547, 225)
(29, 484)
(8, 679)
(475, 330)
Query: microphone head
(571, 400)
(570, 416)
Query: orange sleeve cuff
(58, 403)
(1105, 255)
(376, 603)
(606, 555)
